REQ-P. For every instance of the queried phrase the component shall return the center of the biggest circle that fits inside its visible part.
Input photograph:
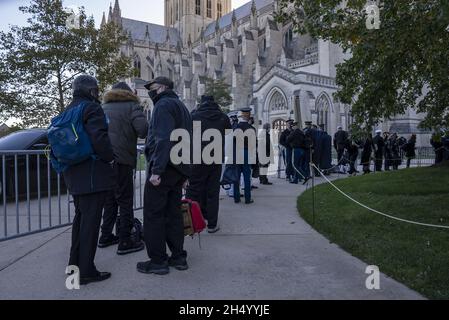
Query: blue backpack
(69, 141)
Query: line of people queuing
(299, 146)
(385, 151)
(102, 186)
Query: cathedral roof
(158, 33)
(240, 13)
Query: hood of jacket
(119, 95)
(208, 110)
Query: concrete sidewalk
(264, 251)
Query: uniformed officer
(288, 151)
(244, 168)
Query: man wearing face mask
(89, 182)
(163, 221)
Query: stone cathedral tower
(191, 17)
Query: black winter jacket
(127, 122)
(283, 139)
(211, 117)
(340, 140)
(297, 139)
(168, 115)
(92, 176)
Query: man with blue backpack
(82, 152)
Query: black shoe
(178, 263)
(249, 202)
(149, 267)
(237, 201)
(107, 241)
(127, 247)
(100, 277)
(254, 187)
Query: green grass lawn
(415, 255)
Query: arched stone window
(209, 8)
(323, 108)
(288, 37)
(278, 102)
(219, 9)
(138, 66)
(198, 7)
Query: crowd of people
(102, 185)
(385, 151)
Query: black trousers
(340, 154)
(205, 189)
(86, 227)
(379, 161)
(120, 200)
(263, 177)
(163, 222)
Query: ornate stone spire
(103, 20)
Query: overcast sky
(146, 10)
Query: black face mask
(153, 94)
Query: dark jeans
(244, 169)
(379, 161)
(298, 161)
(340, 154)
(120, 200)
(289, 171)
(86, 227)
(204, 187)
(263, 178)
(163, 222)
(352, 163)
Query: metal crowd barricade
(34, 198)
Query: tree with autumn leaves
(403, 64)
(40, 60)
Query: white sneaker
(213, 230)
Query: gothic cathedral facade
(278, 73)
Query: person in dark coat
(352, 146)
(379, 146)
(287, 152)
(438, 147)
(204, 182)
(308, 148)
(445, 142)
(297, 141)
(326, 150)
(90, 181)
(316, 136)
(367, 150)
(387, 152)
(340, 139)
(265, 142)
(163, 220)
(392, 148)
(127, 122)
(410, 149)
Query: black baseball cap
(160, 80)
